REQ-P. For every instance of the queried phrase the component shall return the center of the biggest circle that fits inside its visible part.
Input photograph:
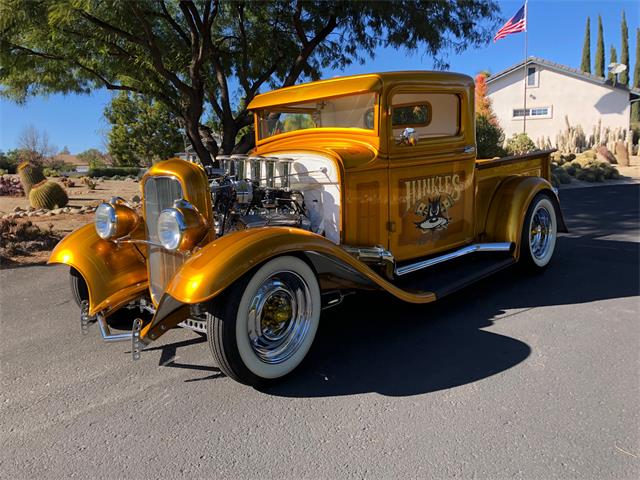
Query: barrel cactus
(49, 195)
(30, 175)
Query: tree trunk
(229, 132)
(246, 143)
(209, 142)
(192, 127)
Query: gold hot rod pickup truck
(368, 182)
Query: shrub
(50, 172)
(569, 168)
(489, 138)
(520, 143)
(67, 182)
(9, 161)
(113, 171)
(90, 183)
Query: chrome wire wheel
(264, 325)
(541, 234)
(279, 317)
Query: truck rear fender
(509, 206)
(114, 273)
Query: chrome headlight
(115, 219)
(181, 227)
(105, 220)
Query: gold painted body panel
(114, 273)
(509, 207)
(192, 178)
(212, 269)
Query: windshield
(350, 111)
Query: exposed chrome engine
(249, 192)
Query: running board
(476, 247)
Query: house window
(532, 78)
(537, 112)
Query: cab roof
(369, 82)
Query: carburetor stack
(254, 191)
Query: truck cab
(368, 182)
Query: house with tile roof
(556, 94)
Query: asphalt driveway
(518, 376)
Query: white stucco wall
(584, 103)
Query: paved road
(525, 377)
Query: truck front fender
(219, 264)
(114, 273)
(509, 206)
(211, 270)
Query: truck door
(431, 169)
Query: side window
(416, 117)
(411, 115)
(532, 80)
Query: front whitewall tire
(264, 326)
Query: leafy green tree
(489, 137)
(94, 158)
(600, 50)
(624, 54)
(635, 106)
(9, 161)
(142, 130)
(187, 54)
(520, 143)
(585, 65)
(614, 58)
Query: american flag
(517, 23)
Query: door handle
(469, 149)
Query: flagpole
(526, 29)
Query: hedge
(113, 171)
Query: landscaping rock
(16, 209)
(622, 154)
(604, 155)
(135, 199)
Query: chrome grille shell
(164, 183)
(160, 193)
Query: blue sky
(556, 32)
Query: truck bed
(491, 172)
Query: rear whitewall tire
(539, 233)
(246, 349)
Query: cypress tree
(624, 53)
(635, 106)
(585, 66)
(614, 58)
(599, 71)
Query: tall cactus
(30, 175)
(49, 195)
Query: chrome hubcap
(541, 233)
(279, 317)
